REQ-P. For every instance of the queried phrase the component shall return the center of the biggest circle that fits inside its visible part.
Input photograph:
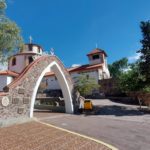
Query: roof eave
(97, 53)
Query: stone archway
(63, 84)
(22, 91)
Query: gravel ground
(36, 136)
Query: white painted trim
(68, 110)
(68, 99)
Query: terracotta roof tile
(80, 68)
(95, 51)
(3, 93)
(9, 73)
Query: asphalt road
(122, 126)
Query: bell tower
(97, 56)
(27, 55)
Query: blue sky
(73, 27)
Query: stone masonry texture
(21, 89)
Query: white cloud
(133, 58)
(76, 65)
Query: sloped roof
(96, 51)
(85, 67)
(9, 73)
(79, 68)
(3, 93)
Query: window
(14, 61)
(30, 47)
(30, 59)
(95, 57)
(39, 50)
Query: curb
(81, 135)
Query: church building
(97, 67)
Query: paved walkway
(123, 126)
(37, 136)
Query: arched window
(95, 57)
(14, 61)
(30, 59)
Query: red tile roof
(9, 73)
(79, 68)
(49, 74)
(96, 51)
(3, 93)
(85, 67)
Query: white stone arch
(63, 84)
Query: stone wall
(142, 97)
(16, 101)
(110, 87)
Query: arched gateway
(18, 100)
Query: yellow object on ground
(88, 105)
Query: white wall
(96, 61)
(4, 80)
(9, 80)
(74, 74)
(52, 83)
(100, 74)
(20, 63)
(35, 49)
(105, 69)
(104, 73)
(92, 74)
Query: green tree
(10, 38)
(85, 84)
(117, 67)
(131, 80)
(145, 52)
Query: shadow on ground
(115, 110)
